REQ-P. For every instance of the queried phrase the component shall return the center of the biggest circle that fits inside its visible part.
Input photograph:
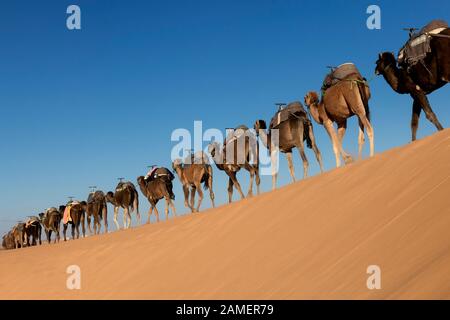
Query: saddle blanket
(67, 217)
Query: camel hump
(292, 110)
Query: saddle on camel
(418, 47)
(344, 72)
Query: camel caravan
(422, 66)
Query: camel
(156, 189)
(292, 133)
(51, 221)
(125, 196)
(8, 241)
(77, 216)
(96, 207)
(341, 101)
(192, 175)
(245, 156)
(19, 236)
(33, 231)
(420, 79)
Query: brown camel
(96, 208)
(339, 102)
(420, 79)
(8, 241)
(51, 221)
(192, 175)
(242, 149)
(125, 196)
(155, 190)
(292, 132)
(77, 218)
(19, 235)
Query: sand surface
(312, 239)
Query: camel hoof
(348, 160)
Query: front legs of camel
(341, 101)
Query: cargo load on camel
(418, 46)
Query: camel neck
(314, 111)
(392, 75)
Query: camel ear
(379, 56)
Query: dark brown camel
(242, 149)
(33, 231)
(291, 134)
(51, 221)
(77, 218)
(192, 174)
(347, 98)
(126, 197)
(155, 190)
(96, 208)
(420, 79)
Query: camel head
(311, 98)
(385, 60)
(259, 125)
(110, 197)
(214, 148)
(142, 184)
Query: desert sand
(311, 239)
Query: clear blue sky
(80, 108)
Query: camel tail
(364, 97)
(306, 125)
(206, 185)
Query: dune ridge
(313, 239)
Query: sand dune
(312, 239)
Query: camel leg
(128, 217)
(64, 231)
(237, 185)
(116, 213)
(334, 140)
(200, 196)
(342, 127)
(274, 165)
(105, 219)
(369, 130)
(88, 218)
(83, 227)
(138, 214)
(210, 186)
(166, 208)
(250, 187)
(431, 116)
(290, 165)
(149, 213)
(230, 190)
(172, 206)
(416, 109)
(315, 148)
(186, 197)
(257, 180)
(360, 139)
(192, 201)
(156, 213)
